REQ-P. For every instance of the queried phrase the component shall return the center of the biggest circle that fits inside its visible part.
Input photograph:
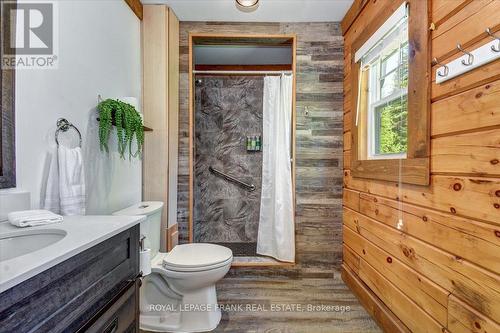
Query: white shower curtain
(276, 236)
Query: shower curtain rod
(243, 72)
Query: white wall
(99, 53)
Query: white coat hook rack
(495, 48)
(469, 60)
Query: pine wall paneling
(430, 254)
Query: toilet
(179, 295)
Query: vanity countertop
(82, 232)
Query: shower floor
(241, 249)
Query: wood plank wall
(319, 137)
(432, 254)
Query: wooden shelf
(146, 129)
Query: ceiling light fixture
(247, 3)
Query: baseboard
(384, 317)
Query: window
(388, 105)
(385, 64)
(390, 125)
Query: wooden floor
(250, 301)
(267, 291)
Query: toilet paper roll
(145, 262)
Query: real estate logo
(29, 34)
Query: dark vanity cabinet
(94, 291)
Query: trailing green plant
(128, 125)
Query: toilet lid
(197, 255)
(144, 208)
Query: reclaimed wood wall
(319, 136)
(427, 258)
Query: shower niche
(230, 82)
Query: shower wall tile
(227, 110)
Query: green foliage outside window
(392, 127)
(392, 118)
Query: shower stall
(228, 109)
(242, 146)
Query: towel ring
(470, 56)
(64, 125)
(492, 35)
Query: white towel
(31, 218)
(71, 181)
(52, 200)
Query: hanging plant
(128, 125)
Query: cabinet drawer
(120, 315)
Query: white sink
(18, 243)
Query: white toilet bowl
(179, 295)
(187, 290)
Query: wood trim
(284, 67)
(191, 136)
(7, 117)
(156, 107)
(243, 39)
(294, 128)
(362, 147)
(172, 237)
(419, 79)
(238, 35)
(415, 168)
(136, 7)
(191, 41)
(409, 171)
(261, 264)
(173, 119)
(352, 14)
(386, 319)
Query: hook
(446, 68)
(497, 49)
(470, 58)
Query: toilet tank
(151, 227)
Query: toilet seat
(196, 269)
(194, 257)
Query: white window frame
(375, 101)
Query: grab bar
(249, 187)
